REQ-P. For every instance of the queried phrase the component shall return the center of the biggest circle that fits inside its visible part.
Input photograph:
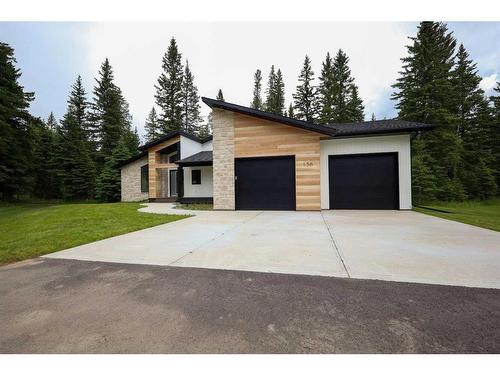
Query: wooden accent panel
(254, 137)
(155, 167)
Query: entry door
(173, 182)
(265, 183)
(364, 181)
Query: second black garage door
(265, 183)
(365, 181)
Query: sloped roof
(332, 130)
(167, 136)
(200, 158)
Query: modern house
(258, 160)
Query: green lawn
(484, 214)
(32, 229)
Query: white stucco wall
(366, 145)
(131, 181)
(189, 147)
(207, 146)
(205, 189)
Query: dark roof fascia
(381, 132)
(268, 116)
(170, 135)
(133, 158)
(194, 163)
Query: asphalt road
(70, 306)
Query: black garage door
(367, 181)
(265, 183)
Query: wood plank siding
(254, 137)
(157, 169)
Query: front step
(163, 200)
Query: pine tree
(355, 108)
(291, 113)
(205, 129)
(109, 112)
(271, 82)
(169, 90)
(15, 147)
(346, 104)
(476, 170)
(425, 93)
(78, 179)
(494, 134)
(109, 181)
(46, 169)
(257, 89)
(220, 96)
(326, 92)
(152, 126)
(373, 118)
(305, 97)
(191, 102)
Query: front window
(196, 177)
(145, 178)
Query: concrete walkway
(386, 245)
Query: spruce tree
(270, 91)
(51, 121)
(355, 108)
(494, 134)
(15, 146)
(257, 91)
(78, 179)
(345, 109)
(152, 126)
(326, 92)
(305, 99)
(291, 113)
(169, 90)
(220, 96)
(476, 170)
(190, 102)
(425, 93)
(110, 113)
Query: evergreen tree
(205, 129)
(494, 134)
(152, 126)
(257, 89)
(169, 96)
(191, 102)
(46, 169)
(346, 108)
(291, 113)
(78, 178)
(15, 146)
(110, 112)
(425, 93)
(109, 181)
(270, 91)
(220, 96)
(326, 92)
(476, 170)
(355, 108)
(373, 117)
(305, 97)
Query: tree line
(334, 99)
(439, 84)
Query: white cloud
(488, 84)
(226, 55)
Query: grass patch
(485, 214)
(195, 206)
(34, 229)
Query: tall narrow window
(145, 178)
(196, 177)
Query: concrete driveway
(386, 245)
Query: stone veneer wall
(131, 181)
(223, 164)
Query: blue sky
(222, 55)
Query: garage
(265, 183)
(364, 181)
